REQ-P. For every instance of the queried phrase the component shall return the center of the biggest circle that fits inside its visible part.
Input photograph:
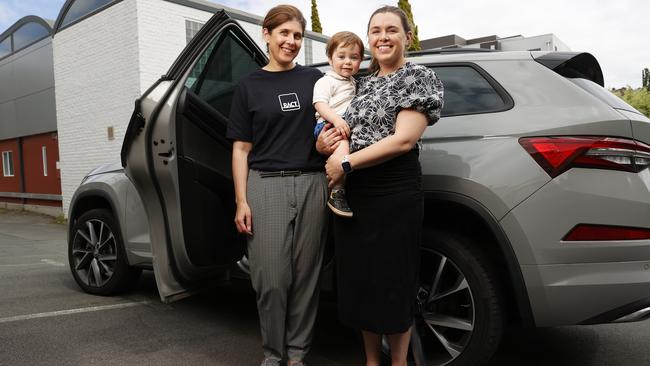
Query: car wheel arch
(455, 212)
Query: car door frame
(147, 154)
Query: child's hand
(343, 128)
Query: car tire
(96, 254)
(462, 323)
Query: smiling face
(346, 59)
(388, 39)
(284, 43)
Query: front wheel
(461, 309)
(96, 254)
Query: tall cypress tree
(404, 5)
(315, 20)
(645, 77)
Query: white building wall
(161, 34)
(97, 79)
(544, 42)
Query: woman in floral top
(377, 251)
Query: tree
(415, 43)
(637, 98)
(315, 20)
(645, 76)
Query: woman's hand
(334, 169)
(244, 219)
(328, 140)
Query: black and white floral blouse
(373, 111)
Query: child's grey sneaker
(270, 362)
(338, 203)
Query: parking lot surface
(45, 319)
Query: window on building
(216, 73)
(8, 163)
(44, 152)
(5, 47)
(191, 29)
(467, 91)
(81, 8)
(28, 34)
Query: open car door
(176, 154)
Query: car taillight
(588, 232)
(559, 154)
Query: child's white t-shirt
(335, 90)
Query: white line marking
(54, 263)
(70, 312)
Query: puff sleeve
(421, 90)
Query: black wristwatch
(345, 163)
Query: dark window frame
(66, 8)
(508, 102)
(13, 41)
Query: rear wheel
(460, 316)
(96, 254)
(461, 308)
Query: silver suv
(536, 186)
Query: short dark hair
(343, 39)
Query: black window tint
(467, 91)
(603, 94)
(218, 70)
(27, 34)
(82, 7)
(5, 47)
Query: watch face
(346, 167)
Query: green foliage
(415, 43)
(315, 20)
(645, 76)
(637, 98)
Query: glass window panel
(80, 8)
(7, 164)
(5, 47)
(218, 70)
(467, 91)
(28, 34)
(44, 152)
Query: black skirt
(377, 250)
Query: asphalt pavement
(45, 319)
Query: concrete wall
(27, 103)
(544, 42)
(96, 69)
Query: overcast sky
(616, 32)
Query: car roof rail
(442, 51)
(438, 51)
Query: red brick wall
(10, 184)
(35, 180)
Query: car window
(603, 94)
(218, 70)
(467, 91)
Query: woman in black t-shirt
(280, 188)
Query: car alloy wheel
(445, 319)
(96, 254)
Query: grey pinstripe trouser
(285, 254)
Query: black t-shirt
(274, 111)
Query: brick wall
(97, 78)
(35, 179)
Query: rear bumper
(588, 293)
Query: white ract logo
(289, 102)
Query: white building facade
(107, 58)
